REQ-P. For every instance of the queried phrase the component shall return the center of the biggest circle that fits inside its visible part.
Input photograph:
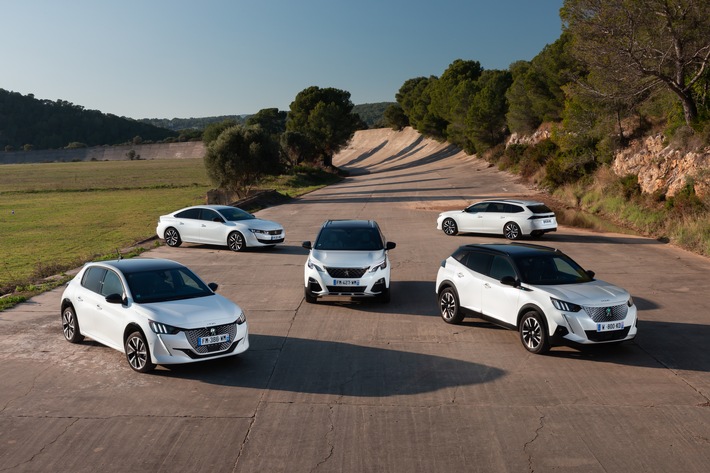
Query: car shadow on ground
(336, 368)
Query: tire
(449, 227)
(172, 237)
(70, 325)
(138, 353)
(449, 306)
(511, 231)
(533, 333)
(310, 298)
(235, 241)
(385, 296)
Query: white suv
(348, 258)
(538, 291)
(513, 219)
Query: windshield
(349, 239)
(233, 214)
(550, 269)
(166, 285)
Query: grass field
(55, 216)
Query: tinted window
(539, 209)
(478, 261)
(513, 209)
(111, 284)
(501, 267)
(234, 214)
(357, 239)
(551, 269)
(189, 213)
(480, 207)
(92, 279)
(166, 285)
(210, 215)
(496, 207)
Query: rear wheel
(449, 306)
(511, 231)
(449, 226)
(533, 333)
(138, 353)
(235, 241)
(70, 326)
(172, 237)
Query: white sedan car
(348, 258)
(538, 291)
(156, 311)
(218, 225)
(510, 218)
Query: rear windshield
(540, 209)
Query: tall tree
(639, 45)
(325, 116)
(271, 120)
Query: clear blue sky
(181, 59)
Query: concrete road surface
(358, 386)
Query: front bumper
(183, 347)
(321, 284)
(579, 329)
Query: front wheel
(70, 325)
(310, 298)
(533, 333)
(449, 226)
(449, 306)
(511, 231)
(138, 353)
(235, 241)
(385, 296)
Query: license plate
(547, 220)
(610, 326)
(212, 339)
(346, 282)
(275, 237)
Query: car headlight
(381, 265)
(313, 265)
(565, 306)
(166, 329)
(260, 232)
(242, 318)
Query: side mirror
(114, 298)
(509, 281)
(306, 245)
(391, 245)
(591, 273)
(213, 286)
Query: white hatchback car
(156, 311)
(513, 219)
(538, 291)
(348, 258)
(218, 225)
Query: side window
(189, 213)
(210, 215)
(501, 267)
(480, 207)
(478, 261)
(513, 209)
(496, 207)
(112, 284)
(92, 279)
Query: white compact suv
(538, 291)
(348, 258)
(513, 219)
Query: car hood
(193, 313)
(450, 213)
(348, 259)
(257, 224)
(594, 293)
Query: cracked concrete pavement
(363, 387)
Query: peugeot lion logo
(214, 332)
(608, 312)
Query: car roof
(512, 249)
(137, 265)
(213, 207)
(350, 223)
(514, 201)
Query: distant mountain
(30, 123)
(179, 124)
(372, 113)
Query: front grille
(607, 314)
(280, 240)
(194, 335)
(346, 290)
(346, 273)
(595, 336)
(273, 232)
